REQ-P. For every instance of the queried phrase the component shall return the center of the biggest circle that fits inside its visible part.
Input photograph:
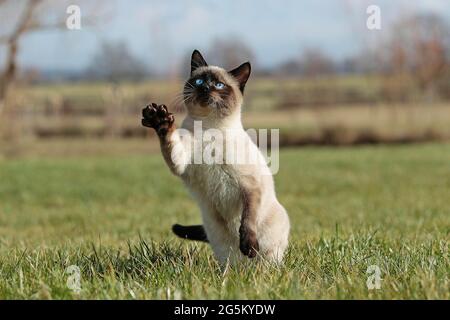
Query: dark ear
(197, 61)
(241, 74)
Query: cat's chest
(210, 177)
(216, 184)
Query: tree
(33, 17)
(114, 62)
(311, 63)
(24, 24)
(420, 46)
(230, 52)
(316, 63)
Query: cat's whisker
(190, 86)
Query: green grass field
(111, 216)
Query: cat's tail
(196, 233)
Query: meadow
(342, 110)
(87, 202)
(110, 215)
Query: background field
(111, 216)
(333, 110)
(364, 124)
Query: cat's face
(213, 90)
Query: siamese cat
(241, 215)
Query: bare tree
(230, 52)
(33, 17)
(315, 62)
(114, 62)
(311, 63)
(24, 24)
(420, 46)
(290, 67)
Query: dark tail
(196, 233)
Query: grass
(110, 215)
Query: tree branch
(9, 73)
(26, 23)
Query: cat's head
(212, 90)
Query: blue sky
(163, 32)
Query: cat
(241, 215)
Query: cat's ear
(241, 74)
(197, 61)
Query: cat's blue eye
(198, 82)
(219, 85)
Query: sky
(161, 32)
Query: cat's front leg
(159, 118)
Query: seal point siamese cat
(241, 215)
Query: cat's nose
(205, 88)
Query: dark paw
(157, 117)
(248, 244)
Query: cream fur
(216, 189)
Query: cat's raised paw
(157, 117)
